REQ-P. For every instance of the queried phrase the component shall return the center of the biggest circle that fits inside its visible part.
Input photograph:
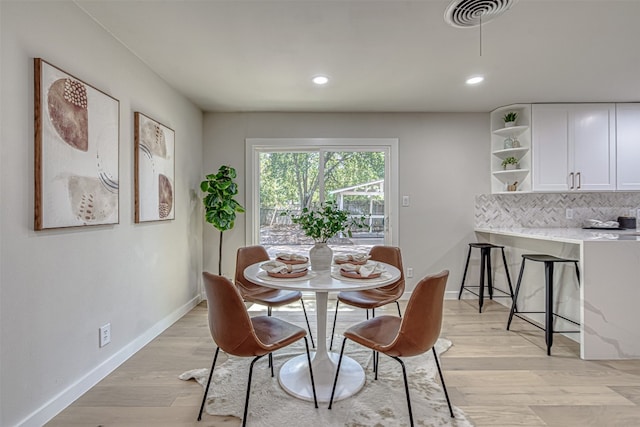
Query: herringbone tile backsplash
(533, 210)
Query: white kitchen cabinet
(506, 180)
(574, 147)
(628, 146)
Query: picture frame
(77, 139)
(154, 160)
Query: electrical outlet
(105, 334)
(405, 201)
(569, 213)
(409, 272)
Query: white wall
(58, 286)
(444, 164)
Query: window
(289, 174)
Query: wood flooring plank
(574, 416)
(543, 395)
(503, 416)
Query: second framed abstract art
(154, 170)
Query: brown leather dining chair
(258, 294)
(237, 334)
(412, 335)
(374, 298)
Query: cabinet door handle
(579, 180)
(573, 181)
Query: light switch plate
(405, 201)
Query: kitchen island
(607, 301)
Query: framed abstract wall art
(154, 170)
(77, 129)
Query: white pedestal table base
(294, 377)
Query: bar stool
(485, 265)
(549, 261)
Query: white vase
(320, 257)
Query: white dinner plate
(264, 276)
(383, 277)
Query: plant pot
(510, 167)
(509, 124)
(320, 257)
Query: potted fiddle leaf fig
(219, 205)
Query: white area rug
(379, 403)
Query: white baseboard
(54, 406)
(452, 294)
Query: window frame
(254, 146)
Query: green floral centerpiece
(323, 223)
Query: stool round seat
(485, 245)
(546, 258)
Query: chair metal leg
(313, 384)
(246, 401)
(375, 353)
(335, 381)
(444, 387)
(307, 320)
(398, 305)
(376, 360)
(271, 363)
(515, 296)
(333, 330)
(406, 388)
(206, 390)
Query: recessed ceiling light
(320, 80)
(475, 80)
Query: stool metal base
(549, 262)
(485, 271)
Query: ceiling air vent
(471, 13)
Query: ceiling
(381, 56)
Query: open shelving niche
(501, 178)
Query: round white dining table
(294, 374)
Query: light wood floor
(498, 377)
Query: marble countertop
(567, 235)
